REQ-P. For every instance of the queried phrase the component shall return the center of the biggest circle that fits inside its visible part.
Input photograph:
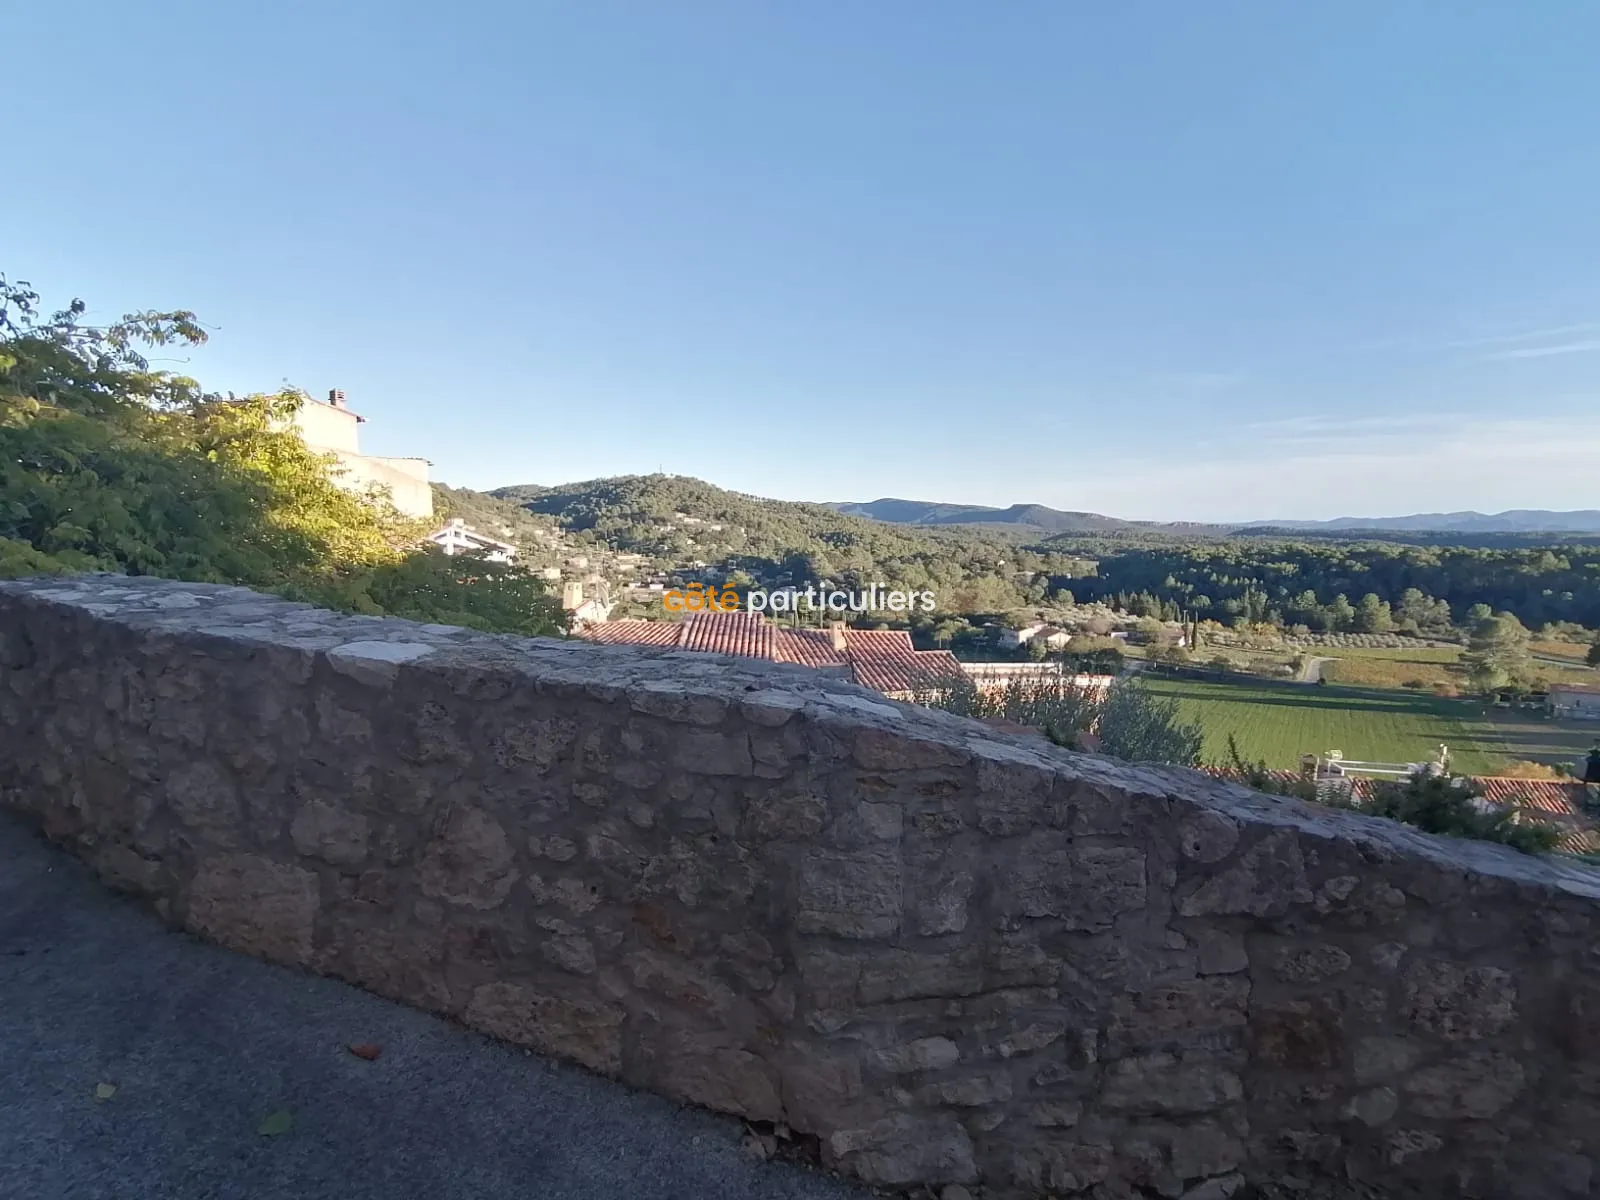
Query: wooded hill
(1316, 581)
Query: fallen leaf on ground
(366, 1050)
(104, 1091)
(276, 1123)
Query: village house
(1051, 637)
(332, 428)
(881, 659)
(1011, 639)
(583, 610)
(1577, 701)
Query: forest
(1320, 584)
(1363, 587)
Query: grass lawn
(1279, 722)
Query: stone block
(583, 1030)
(1266, 881)
(905, 1148)
(331, 834)
(1456, 1002)
(854, 894)
(256, 905)
(1084, 887)
(1164, 1085)
(469, 862)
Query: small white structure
(457, 537)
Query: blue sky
(1164, 260)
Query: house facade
(1574, 701)
(330, 427)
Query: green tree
(1372, 615)
(1137, 725)
(1497, 652)
(1341, 615)
(107, 464)
(1592, 657)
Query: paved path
(1313, 670)
(202, 1044)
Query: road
(202, 1045)
(1312, 671)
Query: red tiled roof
(809, 648)
(1546, 795)
(742, 633)
(885, 659)
(635, 633)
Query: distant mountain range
(1051, 520)
(1516, 520)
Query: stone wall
(953, 956)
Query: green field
(1279, 722)
(1427, 666)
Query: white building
(332, 428)
(591, 612)
(997, 675)
(1012, 638)
(457, 537)
(1580, 701)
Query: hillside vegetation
(777, 542)
(109, 465)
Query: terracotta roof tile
(1545, 795)
(635, 633)
(809, 648)
(742, 633)
(884, 659)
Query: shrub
(1128, 721)
(1453, 808)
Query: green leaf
(276, 1123)
(104, 1091)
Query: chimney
(336, 398)
(836, 635)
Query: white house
(1012, 638)
(591, 612)
(457, 537)
(332, 428)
